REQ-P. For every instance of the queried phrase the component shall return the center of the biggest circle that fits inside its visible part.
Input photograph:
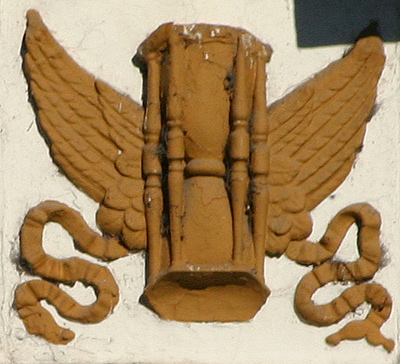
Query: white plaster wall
(103, 36)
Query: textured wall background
(103, 37)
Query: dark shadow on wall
(326, 22)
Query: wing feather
(95, 133)
(72, 111)
(319, 128)
(338, 113)
(331, 175)
(321, 98)
(78, 177)
(76, 107)
(71, 143)
(120, 111)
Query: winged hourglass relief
(205, 178)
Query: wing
(315, 133)
(95, 133)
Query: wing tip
(36, 30)
(34, 19)
(370, 44)
(369, 39)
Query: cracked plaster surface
(103, 38)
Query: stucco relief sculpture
(204, 178)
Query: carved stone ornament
(204, 178)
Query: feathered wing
(95, 133)
(315, 133)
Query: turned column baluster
(239, 151)
(176, 148)
(260, 163)
(151, 164)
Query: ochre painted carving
(28, 295)
(326, 270)
(206, 179)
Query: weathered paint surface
(103, 37)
